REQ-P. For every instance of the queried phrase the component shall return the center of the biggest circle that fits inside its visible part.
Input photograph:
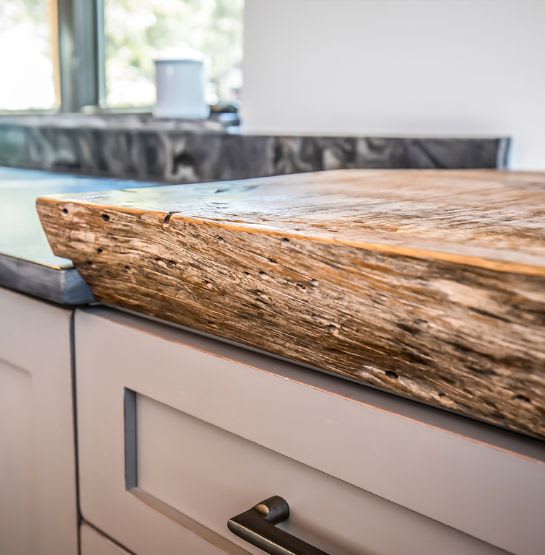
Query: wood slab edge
(46, 202)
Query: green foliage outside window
(138, 30)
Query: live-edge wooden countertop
(428, 284)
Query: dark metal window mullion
(81, 53)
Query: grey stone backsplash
(174, 151)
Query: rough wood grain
(427, 284)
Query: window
(72, 54)
(27, 54)
(136, 31)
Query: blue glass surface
(21, 234)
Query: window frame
(77, 36)
(79, 61)
(80, 45)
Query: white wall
(398, 67)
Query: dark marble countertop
(139, 146)
(27, 263)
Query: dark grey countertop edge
(178, 156)
(61, 286)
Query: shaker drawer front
(177, 434)
(209, 474)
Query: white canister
(180, 85)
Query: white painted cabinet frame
(38, 507)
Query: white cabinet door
(95, 543)
(178, 433)
(38, 509)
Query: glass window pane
(138, 30)
(27, 75)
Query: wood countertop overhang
(26, 261)
(427, 284)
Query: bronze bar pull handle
(257, 526)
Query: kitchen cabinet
(178, 433)
(38, 511)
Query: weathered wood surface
(427, 284)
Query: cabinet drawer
(208, 473)
(178, 433)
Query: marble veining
(177, 151)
